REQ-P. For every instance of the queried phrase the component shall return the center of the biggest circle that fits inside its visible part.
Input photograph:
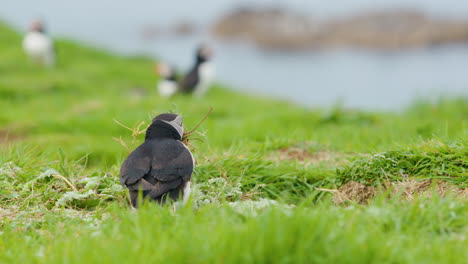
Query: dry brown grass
(307, 158)
(7, 137)
(408, 190)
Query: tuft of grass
(32, 179)
(431, 160)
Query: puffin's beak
(156, 69)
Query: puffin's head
(37, 26)
(204, 53)
(166, 125)
(163, 69)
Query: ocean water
(355, 78)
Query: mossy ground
(60, 201)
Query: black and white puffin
(161, 167)
(38, 46)
(199, 78)
(167, 85)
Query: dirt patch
(87, 107)
(294, 153)
(354, 191)
(303, 156)
(7, 137)
(408, 190)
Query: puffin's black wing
(136, 166)
(190, 81)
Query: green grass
(382, 232)
(255, 198)
(433, 160)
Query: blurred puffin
(167, 85)
(38, 46)
(199, 78)
(161, 167)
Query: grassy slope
(55, 117)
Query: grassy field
(274, 182)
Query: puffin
(199, 78)
(38, 46)
(167, 85)
(161, 167)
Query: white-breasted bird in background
(200, 77)
(167, 85)
(161, 167)
(38, 46)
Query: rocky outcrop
(392, 29)
(179, 29)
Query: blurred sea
(355, 78)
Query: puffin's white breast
(167, 88)
(206, 73)
(39, 47)
(187, 189)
